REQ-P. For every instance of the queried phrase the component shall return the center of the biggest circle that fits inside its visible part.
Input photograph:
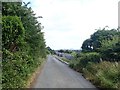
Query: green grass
(66, 60)
(104, 74)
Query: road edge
(60, 60)
(35, 75)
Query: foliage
(11, 8)
(23, 44)
(74, 54)
(50, 51)
(84, 60)
(89, 57)
(61, 51)
(86, 46)
(94, 43)
(110, 49)
(13, 32)
(104, 74)
(105, 42)
(17, 68)
(99, 59)
(33, 35)
(75, 65)
(65, 51)
(65, 59)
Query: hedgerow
(23, 45)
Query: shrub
(23, 44)
(89, 57)
(13, 32)
(74, 64)
(103, 74)
(16, 69)
(110, 49)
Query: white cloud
(69, 22)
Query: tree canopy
(106, 42)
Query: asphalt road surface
(56, 74)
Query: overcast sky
(67, 23)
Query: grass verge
(62, 59)
(103, 75)
(34, 75)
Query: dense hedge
(17, 69)
(23, 44)
(89, 57)
(13, 32)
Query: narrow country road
(56, 74)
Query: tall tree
(94, 43)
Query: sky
(67, 23)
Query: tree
(87, 45)
(33, 35)
(110, 49)
(101, 35)
(61, 51)
(105, 42)
(50, 50)
(94, 43)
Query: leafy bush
(13, 32)
(17, 67)
(103, 74)
(110, 49)
(23, 44)
(84, 59)
(89, 57)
